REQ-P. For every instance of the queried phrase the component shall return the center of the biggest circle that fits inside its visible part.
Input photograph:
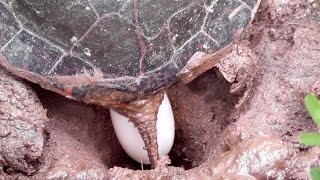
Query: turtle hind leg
(143, 114)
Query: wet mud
(238, 120)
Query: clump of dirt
(245, 128)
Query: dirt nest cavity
(239, 120)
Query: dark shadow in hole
(195, 137)
(6, 170)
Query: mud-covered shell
(115, 50)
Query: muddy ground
(244, 128)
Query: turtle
(118, 53)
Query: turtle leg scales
(143, 114)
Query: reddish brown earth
(246, 128)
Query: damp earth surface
(240, 120)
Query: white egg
(130, 139)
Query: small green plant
(315, 173)
(312, 139)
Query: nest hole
(85, 132)
(6, 169)
(201, 118)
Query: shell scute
(98, 47)
(8, 25)
(31, 53)
(72, 66)
(112, 47)
(59, 21)
(229, 17)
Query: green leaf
(315, 173)
(313, 106)
(310, 139)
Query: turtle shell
(113, 50)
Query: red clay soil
(245, 127)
